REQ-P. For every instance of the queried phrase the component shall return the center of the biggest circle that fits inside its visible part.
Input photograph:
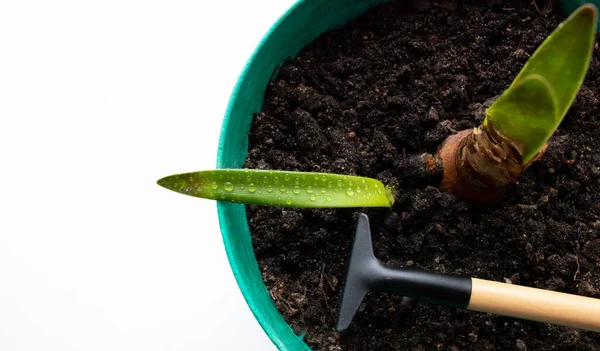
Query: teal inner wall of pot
(306, 20)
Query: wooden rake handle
(535, 304)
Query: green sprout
(282, 188)
(480, 163)
(534, 105)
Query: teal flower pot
(302, 23)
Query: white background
(99, 99)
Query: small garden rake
(366, 274)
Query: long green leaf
(282, 188)
(558, 66)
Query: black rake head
(365, 273)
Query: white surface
(99, 99)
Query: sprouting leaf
(553, 75)
(514, 109)
(282, 188)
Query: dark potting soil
(392, 84)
